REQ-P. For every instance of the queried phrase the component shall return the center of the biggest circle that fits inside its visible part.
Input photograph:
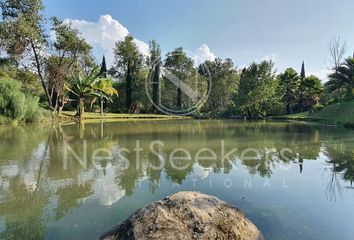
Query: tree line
(59, 73)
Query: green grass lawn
(90, 115)
(338, 113)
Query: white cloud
(204, 53)
(105, 33)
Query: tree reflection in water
(35, 189)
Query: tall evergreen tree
(128, 61)
(103, 72)
(155, 69)
(302, 86)
(182, 67)
(303, 73)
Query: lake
(294, 180)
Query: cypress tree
(103, 72)
(302, 87)
(155, 59)
(303, 74)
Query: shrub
(331, 101)
(349, 125)
(317, 107)
(15, 104)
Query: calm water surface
(293, 180)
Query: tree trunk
(155, 88)
(249, 114)
(288, 109)
(81, 109)
(129, 88)
(101, 107)
(39, 71)
(92, 102)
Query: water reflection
(36, 189)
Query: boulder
(186, 215)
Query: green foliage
(317, 107)
(342, 112)
(71, 54)
(128, 63)
(255, 93)
(103, 71)
(154, 64)
(224, 84)
(68, 39)
(303, 73)
(289, 82)
(29, 81)
(348, 125)
(15, 104)
(22, 25)
(92, 85)
(309, 93)
(178, 65)
(23, 38)
(341, 81)
(256, 97)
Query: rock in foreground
(186, 215)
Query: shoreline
(349, 125)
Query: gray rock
(186, 215)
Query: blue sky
(245, 30)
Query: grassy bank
(338, 113)
(92, 117)
(122, 116)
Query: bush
(317, 107)
(16, 105)
(348, 125)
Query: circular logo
(179, 83)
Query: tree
(92, 85)
(22, 33)
(180, 67)
(224, 83)
(302, 88)
(155, 70)
(288, 85)
(103, 73)
(24, 40)
(71, 54)
(256, 97)
(312, 90)
(337, 49)
(342, 79)
(303, 73)
(128, 62)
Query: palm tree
(92, 85)
(342, 79)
